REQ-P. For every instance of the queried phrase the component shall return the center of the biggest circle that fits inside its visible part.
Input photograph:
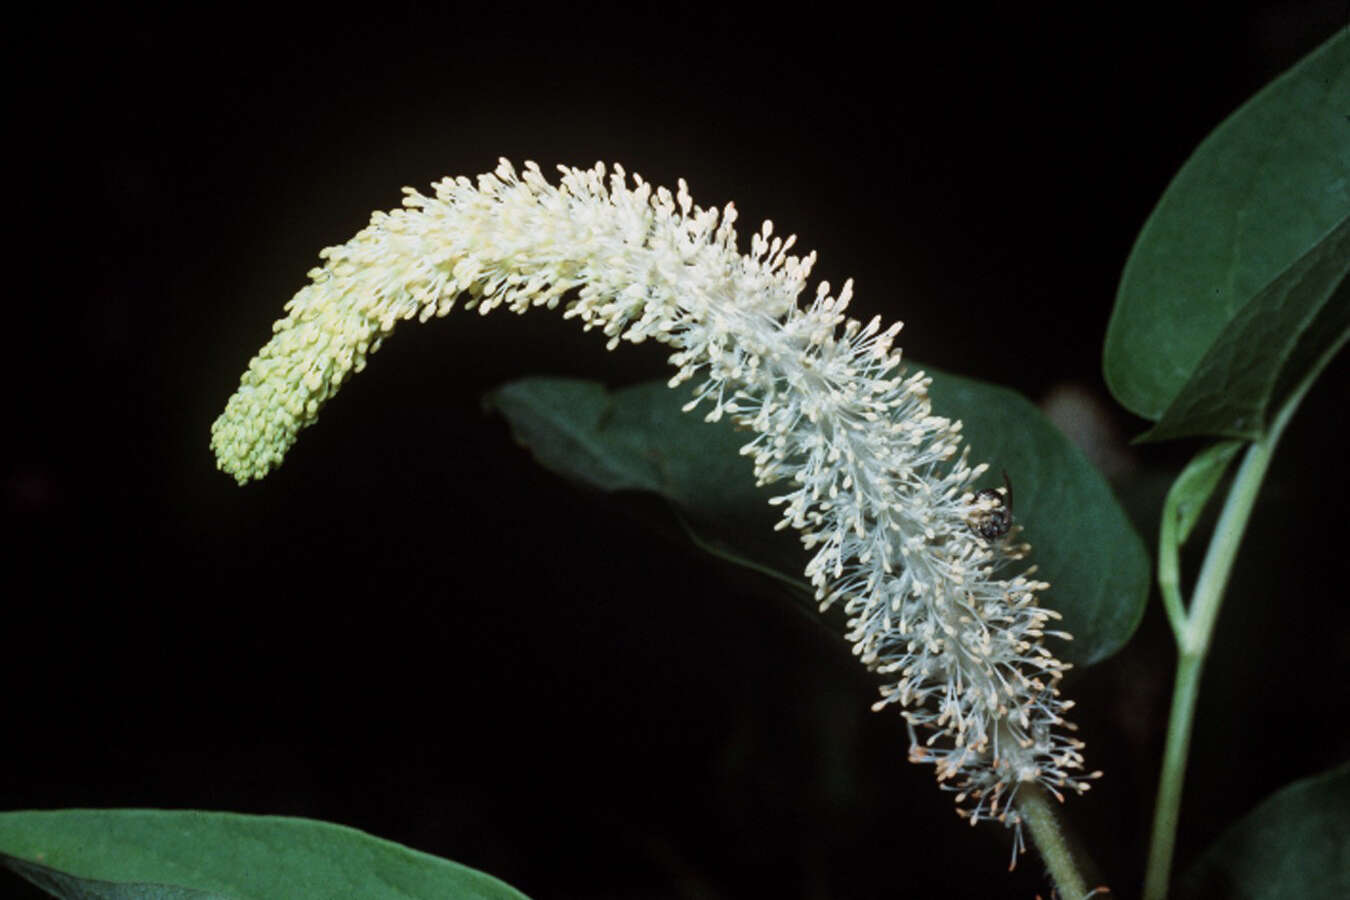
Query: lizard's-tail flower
(875, 482)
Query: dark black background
(410, 628)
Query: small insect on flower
(993, 511)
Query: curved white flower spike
(873, 479)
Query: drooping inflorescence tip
(878, 485)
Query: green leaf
(1279, 336)
(1181, 511)
(146, 854)
(1295, 845)
(1236, 284)
(69, 887)
(1194, 486)
(638, 439)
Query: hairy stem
(1049, 834)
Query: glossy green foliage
(146, 854)
(638, 439)
(1236, 287)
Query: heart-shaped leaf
(150, 854)
(1235, 288)
(638, 439)
(1295, 845)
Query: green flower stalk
(877, 485)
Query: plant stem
(1048, 834)
(1168, 807)
(1193, 640)
(1193, 643)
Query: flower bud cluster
(878, 486)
